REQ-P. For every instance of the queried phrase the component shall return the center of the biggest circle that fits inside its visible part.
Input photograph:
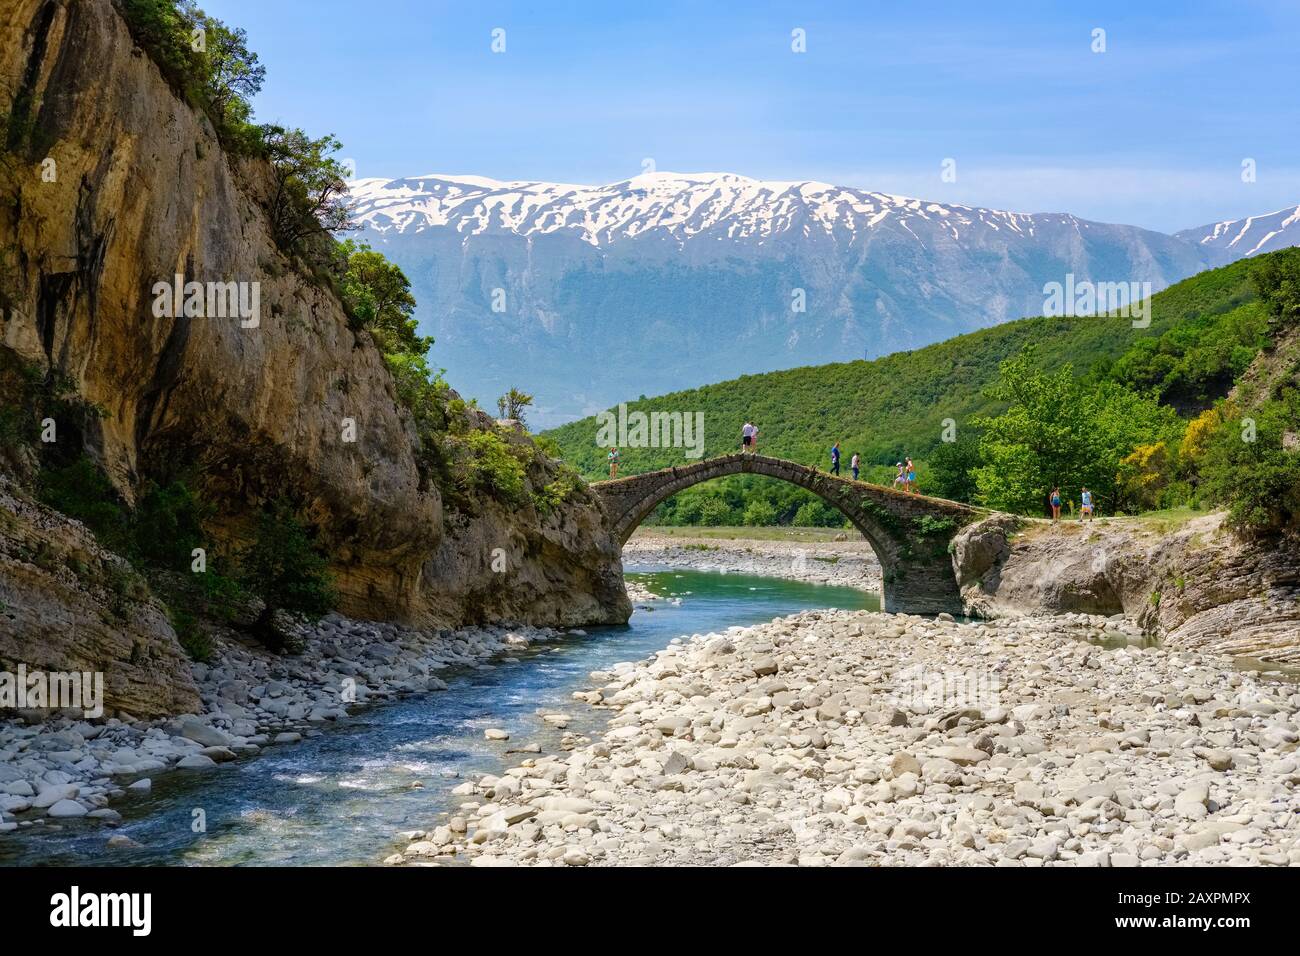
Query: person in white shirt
(747, 435)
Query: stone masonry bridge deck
(909, 533)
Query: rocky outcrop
(68, 605)
(120, 185)
(561, 569)
(1194, 586)
(109, 184)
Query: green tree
(513, 403)
(377, 294)
(234, 75)
(1277, 279)
(309, 197)
(1037, 443)
(950, 469)
(759, 513)
(714, 511)
(286, 570)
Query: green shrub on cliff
(377, 296)
(1252, 465)
(210, 65)
(168, 525)
(555, 493)
(284, 567)
(82, 491)
(206, 61)
(495, 466)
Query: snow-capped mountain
(1249, 236)
(586, 295)
(662, 205)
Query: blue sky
(1152, 132)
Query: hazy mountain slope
(1250, 236)
(669, 280)
(897, 405)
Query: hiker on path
(1056, 504)
(901, 477)
(1085, 504)
(835, 458)
(747, 434)
(911, 477)
(853, 464)
(613, 462)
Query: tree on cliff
(309, 197)
(513, 403)
(285, 569)
(377, 295)
(207, 61)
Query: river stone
(196, 762)
(49, 796)
(676, 763)
(962, 756)
(201, 733)
(67, 808)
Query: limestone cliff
(109, 183)
(66, 604)
(1194, 586)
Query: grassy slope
(896, 405)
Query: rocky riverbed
(70, 767)
(847, 563)
(863, 738)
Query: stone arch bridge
(909, 533)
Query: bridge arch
(909, 533)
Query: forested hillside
(1097, 376)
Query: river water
(340, 797)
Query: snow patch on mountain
(1249, 236)
(677, 206)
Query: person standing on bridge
(747, 433)
(853, 465)
(613, 462)
(835, 458)
(911, 477)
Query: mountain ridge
(564, 289)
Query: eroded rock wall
(111, 183)
(1195, 586)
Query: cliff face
(1196, 586)
(66, 604)
(110, 184)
